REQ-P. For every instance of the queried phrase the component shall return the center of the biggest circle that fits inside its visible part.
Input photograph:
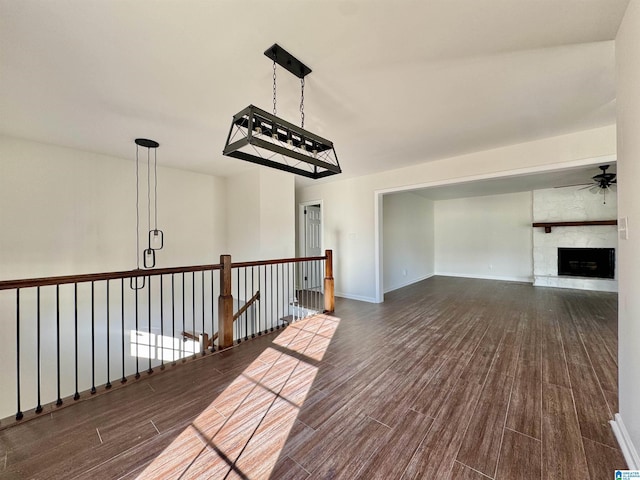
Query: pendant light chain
(149, 190)
(302, 102)
(274, 88)
(137, 211)
(155, 190)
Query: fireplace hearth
(586, 262)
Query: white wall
(484, 237)
(243, 200)
(571, 204)
(628, 104)
(347, 214)
(408, 239)
(349, 204)
(261, 215)
(278, 214)
(64, 211)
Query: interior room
(483, 229)
(319, 239)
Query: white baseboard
(410, 282)
(626, 445)
(356, 297)
(487, 277)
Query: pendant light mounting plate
(287, 61)
(145, 142)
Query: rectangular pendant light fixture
(260, 137)
(263, 138)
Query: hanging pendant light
(156, 236)
(259, 137)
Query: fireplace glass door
(587, 262)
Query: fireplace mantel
(547, 225)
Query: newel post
(225, 305)
(329, 299)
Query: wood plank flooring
(448, 379)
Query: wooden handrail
(275, 262)
(196, 338)
(191, 336)
(95, 277)
(209, 341)
(246, 306)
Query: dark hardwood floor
(448, 379)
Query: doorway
(310, 242)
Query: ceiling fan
(601, 183)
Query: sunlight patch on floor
(241, 434)
(310, 337)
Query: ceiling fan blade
(574, 185)
(595, 189)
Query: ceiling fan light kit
(603, 182)
(604, 179)
(262, 138)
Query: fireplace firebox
(587, 262)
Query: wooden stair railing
(203, 338)
(329, 293)
(246, 306)
(91, 304)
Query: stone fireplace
(581, 257)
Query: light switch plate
(623, 228)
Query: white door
(312, 224)
(312, 247)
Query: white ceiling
(394, 83)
